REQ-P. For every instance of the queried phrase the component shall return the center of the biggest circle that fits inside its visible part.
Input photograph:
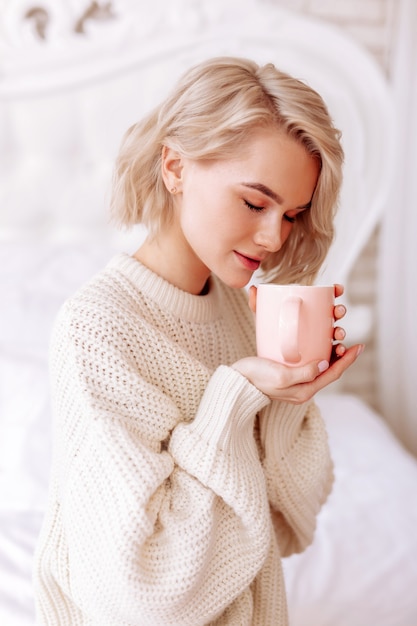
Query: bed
(71, 82)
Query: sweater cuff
(280, 427)
(227, 410)
(218, 447)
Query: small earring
(173, 190)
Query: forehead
(272, 158)
(271, 141)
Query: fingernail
(323, 366)
(360, 349)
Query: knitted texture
(176, 484)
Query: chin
(236, 283)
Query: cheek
(196, 223)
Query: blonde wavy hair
(211, 112)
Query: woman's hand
(294, 384)
(299, 384)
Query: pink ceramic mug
(294, 323)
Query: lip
(249, 263)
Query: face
(231, 215)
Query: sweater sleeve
(151, 521)
(298, 470)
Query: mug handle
(289, 324)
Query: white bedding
(362, 567)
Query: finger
(338, 367)
(338, 290)
(339, 311)
(252, 298)
(339, 333)
(339, 350)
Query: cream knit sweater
(176, 485)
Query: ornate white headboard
(72, 81)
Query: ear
(171, 168)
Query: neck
(178, 267)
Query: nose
(269, 234)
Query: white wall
(369, 22)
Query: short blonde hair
(210, 113)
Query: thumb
(252, 298)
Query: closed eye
(257, 209)
(253, 207)
(289, 219)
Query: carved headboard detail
(40, 17)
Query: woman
(185, 467)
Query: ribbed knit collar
(199, 309)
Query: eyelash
(258, 209)
(253, 207)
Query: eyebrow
(271, 194)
